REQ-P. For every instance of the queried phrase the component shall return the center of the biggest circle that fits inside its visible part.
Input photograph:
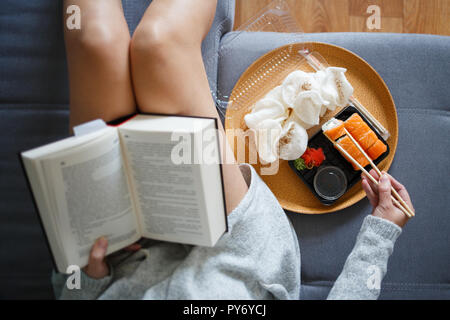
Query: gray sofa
(416, 68)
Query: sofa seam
(414, 110)
(392, 285)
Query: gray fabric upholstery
(34, 111)
(416, 69)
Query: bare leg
(168, 72)
(99, 64)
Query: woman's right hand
(380, 197)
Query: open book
(153, 176)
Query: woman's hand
(97, 267)
(380, 197)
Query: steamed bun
(293, 141)
(264, 109)
(308, 106)
(295, 83)
(267, 138)
(293, 118)
(334, 87)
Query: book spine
(41, 223)
(221, 174)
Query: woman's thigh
(98, 62)
(167, 65)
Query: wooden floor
(403, 16)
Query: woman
(160, 70)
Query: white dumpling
(345, 89)
(334, 87)
(308, 106)
(295, 83)
(275, 94)
(323, 110)
(328, 89)
(267, 138)
(293, 141)
(293, 118)
(265, 109)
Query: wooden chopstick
(367, 174)
(396, 195)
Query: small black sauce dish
(330, 183)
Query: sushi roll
(367, 139)
(375, 151)
(334, 129)
(359, 130)
(347, 144)
(354, 122)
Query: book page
(170, 197)
(92, 196)
(41, 189)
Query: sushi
(334, 129)
(375, 151)
(366, 140)
(347, 144)
(355, 122)
(359, 130)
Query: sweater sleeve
(90, 288)
(366, 265)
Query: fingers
(373, 185)
(401, 190)
(134, 247)
(97, 267)
(384, 191)
(374, 174)
(371, 195)
(98, 250)
(373, 198)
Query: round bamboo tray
(370, 90)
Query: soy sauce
(330, 183)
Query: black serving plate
(334, 158)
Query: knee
(99, 39)
(155, 39)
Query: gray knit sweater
(258, 258)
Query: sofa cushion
(26, 264)
(416, 69)
(34, 111)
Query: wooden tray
(370, 90)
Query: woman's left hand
(97, 267)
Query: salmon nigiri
(359, 130)
(355, 122)
(367, 139)
(347, 144)
(334, 129)
(376, 150)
